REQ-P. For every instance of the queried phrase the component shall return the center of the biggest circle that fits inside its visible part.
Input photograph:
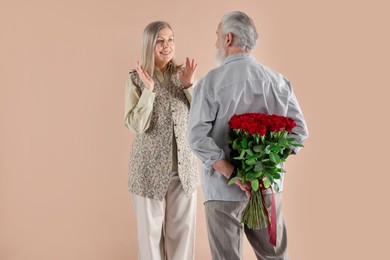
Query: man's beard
(220, 55)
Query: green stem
(254, 213)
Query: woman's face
(165, 48)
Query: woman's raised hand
(188, 76)
(144, 77)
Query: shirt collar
(163, 77)
(238, 56)
(167, 71)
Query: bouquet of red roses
(259, 144)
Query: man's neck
(235, 50)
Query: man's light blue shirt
(240, 85)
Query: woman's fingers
(144, 76)
(191, 65)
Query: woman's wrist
(187, 85)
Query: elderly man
(237, 86)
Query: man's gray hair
(243, 29)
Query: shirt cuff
(146, 98)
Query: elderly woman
(163, 175)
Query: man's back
(251, 85)
(238, 86)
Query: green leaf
(242, 155)
(266, 183)
(255, 184)
(297, 145)
(291, 139)
(244, 143)
(284, 143)
(237, 131)
(257, 138)
(276, 148)
(249, 152)
(243, 165)
(258, 167)
(277, 169)
(269, 177)
(258, 174)
(267, 149)
(285, 153)
(276, 187)
(253, 175)
(250, 167)
(258, 148)
(274, 157)
(276, 175)
(252, 160)
(236, 146)
(250, 175)
(233, 180)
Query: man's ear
(229, 39)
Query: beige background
(64, 149)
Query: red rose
(265, 121)
(260, 116)
(290, 124)
(245, 126)
(261, 130)
(252, 127)
(235, 122)
(259, 123)
(274, 127)
(245, 118)
(282, 125)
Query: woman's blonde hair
(149, 42)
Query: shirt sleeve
(138, 107)
(190, 91)
(300, 131)
(201, 118)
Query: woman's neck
(162, 67)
